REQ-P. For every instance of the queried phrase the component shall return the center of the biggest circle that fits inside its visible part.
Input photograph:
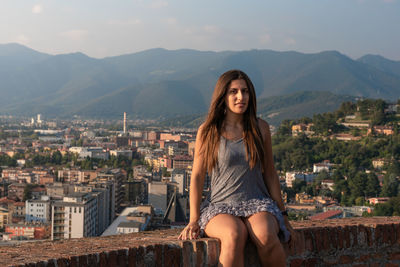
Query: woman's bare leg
(263, 229)
(232, 233)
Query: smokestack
(124, 122)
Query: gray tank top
(232, 180)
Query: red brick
(92, 260)
(155, 252)
(392, 234)
(310, 262)
(62, 262)
(213, 249)
(112, 258)
(187, 253)
(374, 265)
(83, 261)
(122, 257)
(354, 235)
(379, 229)
(308, 240)
(363, 258)
(333, 237)
(103, 259)
(172, 255)
(296, 263)
(41, 264)
(132, 257)
(345, 259)
(51, 263)
(200, 252)
(74, 261)
(395, 256)
(140, 254)
(298, 246)
(330, 261)
(346, 237)
(391, 265)
(321, 239)
(397, 231)
(340, 237)
(359, 265)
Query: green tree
(372, 187)
(390, 187)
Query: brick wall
(340, 242)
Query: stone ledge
(339, 242)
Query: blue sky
(101, 28)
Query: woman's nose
(239, 95)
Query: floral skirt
(243, 209)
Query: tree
(357, 185)
(372, 187)
(28, 191)
(56, 158)
(390, 187)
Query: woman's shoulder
(263, 126)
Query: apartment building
(75, 216)
(37, 210)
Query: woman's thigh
(226, 227)
(262, 228)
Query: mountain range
(160, 83)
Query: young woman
(234, 147)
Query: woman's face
(237, 97)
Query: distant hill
(382, 64)
(159, 83)
(300, 104)
(275, 109)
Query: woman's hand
(191, 231)
(293, 233)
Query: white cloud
(211, 29)
(290, 41)
(37, 9)
(159, 4)
(75, 35)
(125, 22)
(172, 21)
(22, 39)
(265, 38)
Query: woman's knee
(235, 236)
(267, 242)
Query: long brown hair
(212, 127)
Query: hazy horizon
(103, 28)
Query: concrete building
(291, 176)
(135, 191)
(179, 176)
(74, 217)
(323, 166)
(182, 161)
(117, 177)
(128, 227)
(4, 217)
(159, 195)
(38, 210)
(124, 153)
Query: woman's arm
(270, 175)
(192, 230)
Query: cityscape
(84, 178)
